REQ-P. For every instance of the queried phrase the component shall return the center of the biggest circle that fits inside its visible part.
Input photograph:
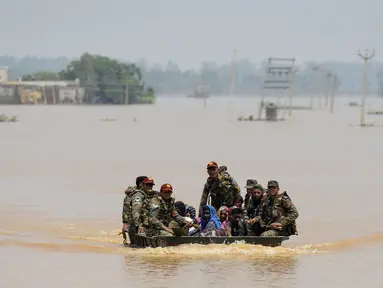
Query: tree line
(105, 80)
(112, 76)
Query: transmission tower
(279, 76)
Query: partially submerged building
(39, 92)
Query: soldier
(220, 187)
(136, 224)
(278, 213)
(255, 203)
(253, 197)
(126, 211)
(249, 184)
(163, 214)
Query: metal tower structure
(279, 76)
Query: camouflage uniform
(256, 228)
(138, 200)
(252, 209)
(278, 209)
(249, 207)
(126, 208)
(222, 190)
(163, 213)
(138, 217)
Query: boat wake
(110, 243)
(88, 236)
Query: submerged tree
(107, 80)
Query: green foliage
(106, 80)
(41, 76)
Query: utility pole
(328, 88)
(366, 56)
(333, 86)
(291, 91)
(314, 68)
(233, 82)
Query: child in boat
(181, 208)
(236, 226)
(223, 214)
(186, 211)
(238, 202)
(210, 223)
(191, 213)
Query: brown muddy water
(63, 172)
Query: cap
(250, 183)
(148, 180)
(166, 187)
(212, 164)
(273, 183)
(259, 187)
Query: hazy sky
(191, 31)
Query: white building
(3, 74)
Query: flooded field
(63, 172)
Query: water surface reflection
(162, 271)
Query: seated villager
(192, 213)
(163, 215)
(236, 225)
(223, 215)
(278, 213)
(181, 208)
(256, 201)
(210, 224)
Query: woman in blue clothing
(210, 223)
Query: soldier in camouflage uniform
(253, 198)
(249, 196)
(163, 214)
(256, 199)
(138, 198)
(278, 214)
(220, 187)
(126, 211)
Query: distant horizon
(152, 64)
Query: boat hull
(144, 241)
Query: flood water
(63, 172)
